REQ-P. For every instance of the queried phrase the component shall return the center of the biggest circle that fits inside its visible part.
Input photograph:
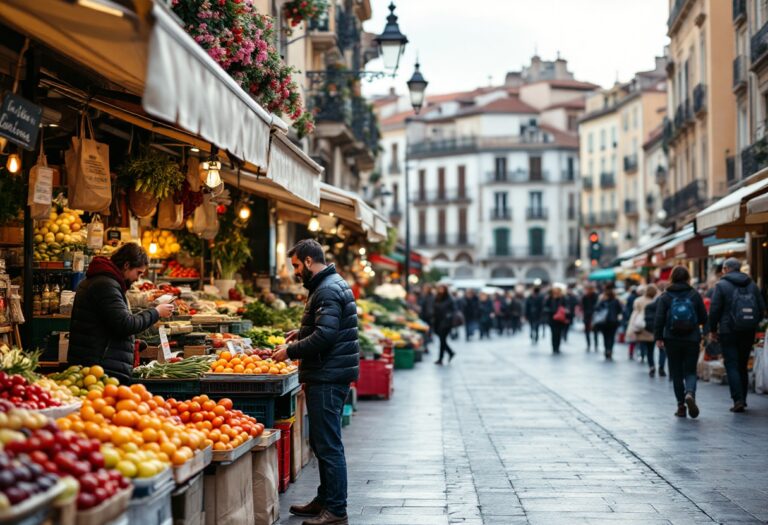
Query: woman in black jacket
(612, 305)
(558, 322)
(679, 316)
(102, 328)
(442, 321)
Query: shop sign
(20, 121)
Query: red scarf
(105, 266)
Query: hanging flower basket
(298, 11)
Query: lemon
(127, 469)
(96, 371)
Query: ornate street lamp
(391, 42)
(416, 87)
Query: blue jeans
(736, 349)
(683, 357)
(650, 349)
(325, 404)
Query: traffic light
(595, 248)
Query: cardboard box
(266, 502)
(190, 351)
(11, 235)
(187, 502)
(301, 415)
(228, 493)
(296, 446)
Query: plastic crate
(284, 455)
(177, 388)
(285, 406)
(278, 384)
(417, 356)
(375, 378)
(346, 417)
(404, 358)
(154, 509)
(262, 408)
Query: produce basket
(228, 456)
(109, 510)
(177, 388)
(262, 408)
(249, 383)
(143, 487)
(61, 411)
(32, 510)
(199, 461)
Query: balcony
(759, 48)
(365, 129)
(691, 198)
(700, 99)
(739, 11)
(630, 207)
(739, 73)
(607, 181)
(471, 144)
(668, 133)
(568, 176)
(608, 217)
(521, 252)
(572, 213)
(661, 175)
(501, 214)
(589, 219)
(676, 15)
(536, 214)
(518, 176)
(730, 169)
(754, 158)
(455, 195)
(439, 240)
(333, 116)
(630, 163)
(586, 182)
(321, 34)
(679, 117)
(395, 215)
(394, 168)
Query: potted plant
(297, 11)
(231, 250)
(152, 177)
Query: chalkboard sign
(20, 121)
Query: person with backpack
(607, 319)
(680, 313)
(556, 313)
(534, 307)
(736, 310)
(443, 321)
(642, 324)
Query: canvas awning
(757, 210)
(686, 244)
(729, 208)
(603, 274)
(149, 55)
(728, 248)
(349, 206)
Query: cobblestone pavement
(509, 433)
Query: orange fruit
(239, 369)
(87, 412)
(108, 412)
(93, 394)
(110, 401)
(123, 392)
(178, 458)
(228, 370)
(152, 446)
(149, 435)
(124, 418)
(182, 407)
(110, 391)
(105, 434)
(142, 408)
(121, 436)
(226, 403)
(219, 410)
(220, 446)
(225, 355)
(194, 406)
(126, 404)
(219, 369)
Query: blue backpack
(681, 318)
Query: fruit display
(189, 368)
(14, 361)
(229, 363)
(140, 436)
(165, 242)
(18, 392)
(265, 337)
(62, 233)
(81, 380)
(21, 478)
(224, 428)
(175, 270)
(59, 392)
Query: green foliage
(11, 196)
(231, 249)
(152, 172)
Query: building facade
(700, 128)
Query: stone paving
(509, 433)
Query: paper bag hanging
(96, 233)
(87, 162)
(170, 216)
(40, 189)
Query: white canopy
(727, 209)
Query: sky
(460, 48)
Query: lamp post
(417, 85)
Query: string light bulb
(212, 176)
(13, 165)
(314, 225)
(153, 246)
(244, 212)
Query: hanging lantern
(13, 165)
(314, 225)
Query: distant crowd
(667, 323)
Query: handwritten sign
(43, 186)
(165, 346)
(20, 121)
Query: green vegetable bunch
(154, 173)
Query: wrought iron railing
(630, 163)
(607, 180)
(689, 198)
(699, 98)
(754, 158)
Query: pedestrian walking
(329, 354)
(627, 313)
(556, 313)
(471, 309)
(571, 302)
(102, 325)
(427, 312)
(641, 324)
(486, 316)
(445, 308)
(607, 319)
(534, 306)
(516, 307)
(736, 310)
(499, 306)
(680, 313)
(588, 304)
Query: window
(590, 205)
(501, 241)
(602, 165)
(704, 163)
(634, 146)
(422, 185)
(534, 168)
(462, 182)
(614, 140)
(441, 236)
(500, 167)
(536, 241)
(422, 227)
(462, 226)
(613, 163)
(500, 201)
(625, 120)
(570, 174)
(441, 183)
(571, 206)
(602, 138)
(591, 166)
(590, 142)
(394, 161)
(395, 195)
(702, 57)
(635, 119)
(742, 130)
(535, 199)
(573, 122)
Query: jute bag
(87, 162)
(40, 188)
(170, 216)
(206, 221)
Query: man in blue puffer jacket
(328, 348)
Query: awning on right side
(730, 209)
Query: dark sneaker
(680, 411)
(662, 373)
(738, 406)
(690, 402)
(311, 509)
(652, 372)
(439, 363)
(327, 518)
(451, 356)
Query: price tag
(165, 346)
(43, 186)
